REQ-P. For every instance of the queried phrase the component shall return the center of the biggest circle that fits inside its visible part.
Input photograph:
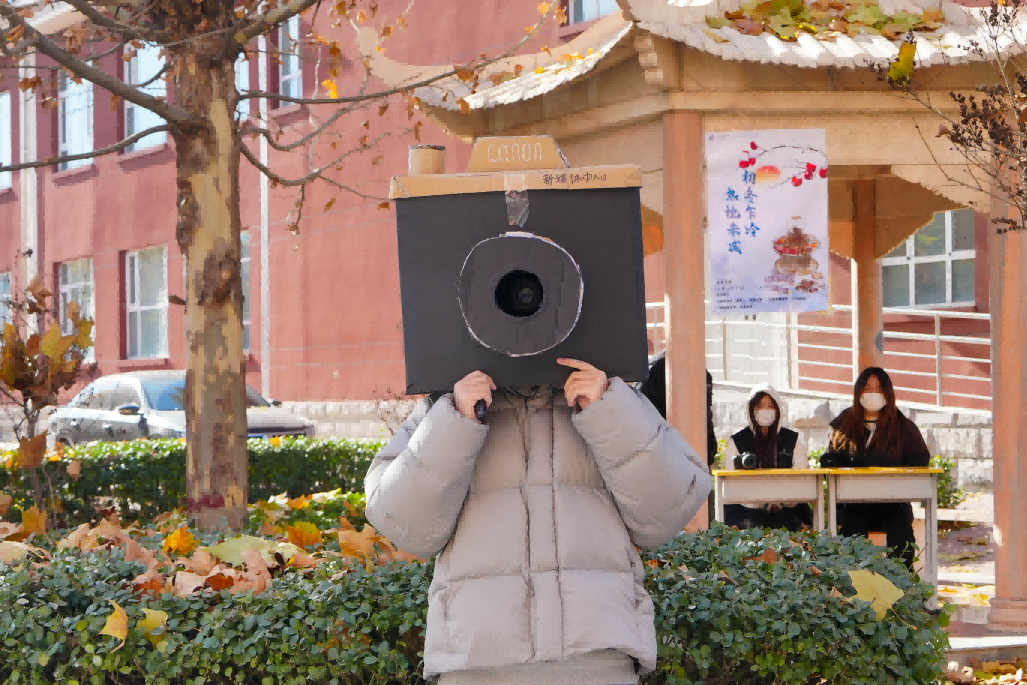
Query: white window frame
(576, 10)
(242, 85)
(132, 303)
(6, 139)
(71, 291)
(158, 89)
(6, 310)
(948, 256)
(74, 128)
(290, 69)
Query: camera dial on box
(516, 263)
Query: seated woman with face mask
(773, 447)
(873, 432)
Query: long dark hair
(852, 433)
(764, 446)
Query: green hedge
(727, 620)
(149, 475)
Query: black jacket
(912, 448)
(655, 388)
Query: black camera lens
(519, 293)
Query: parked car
(149, 404)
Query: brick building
(102, 231)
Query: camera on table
(746, 461)
(517, 263)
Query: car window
(165, 394)
(168, 394)
(123, 393)
(95, 396)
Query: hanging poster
(767, 209)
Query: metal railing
(776, 348)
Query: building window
(587, 10)
(142, 70)
(6, 306)
(290, 72)
(146, 298)
(75, 120)
(6, 139)
(242, 85)
(75, 284)
(935, 266)
(244, 263)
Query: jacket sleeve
(915, 452)
(657, 481)
(800, 455)
(417, 483)
(833, 459)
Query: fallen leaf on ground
(876, 589)
(181, 542)
(187, 583)
(155, 625)
(33, 521)
(117, 625)
(200, 562)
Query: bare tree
(990, 133)
(200, 41)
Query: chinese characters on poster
(767, 208)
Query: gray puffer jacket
(537, 516)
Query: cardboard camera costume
(516, 263)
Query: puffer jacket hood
(769, 390)
(535, 517)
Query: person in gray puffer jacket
(537, 516)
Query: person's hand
(584, 386)
(471, 388)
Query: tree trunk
(208, 235)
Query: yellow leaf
(181, 542)
(240, 38)
(155, 625)
(299, 502)
(876, 589)
(54, 344)
(540, 70)
(716, 37)
(386, 32)
(276, 441)
(33, 521)
(31, 451)
(85, 334)
(117, 625)
(543, 8)
(329, 204)
(333, 90)
(304, 534)
(902, 70)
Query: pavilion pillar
(867, 288)
(684, 211)
(1008, 284)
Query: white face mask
(765, 417)
(872, 401)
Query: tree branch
(45, 46)
(262, 23)
(151, 35)
(397, 89)
(86, 155)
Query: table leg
(832, 504)
(818, 511)
(931, 553)
(720, 499)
